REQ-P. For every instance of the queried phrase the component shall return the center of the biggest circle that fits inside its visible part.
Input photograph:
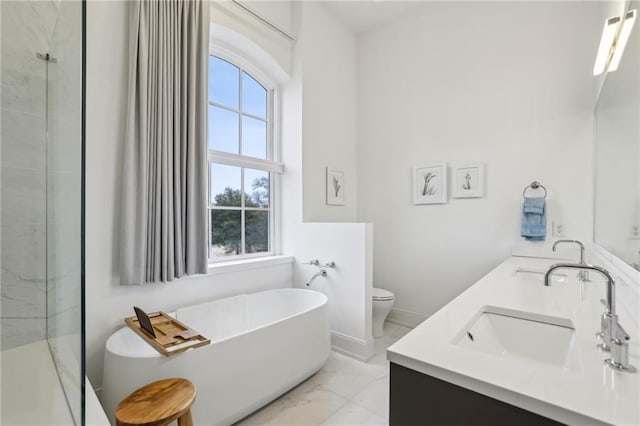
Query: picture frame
(430, 183)
(335, 187)
(467, 180)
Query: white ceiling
(363, 15)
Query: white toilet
(382, 304)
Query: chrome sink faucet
(583, 275)
(614, 338)
(574, 242)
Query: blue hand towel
(534, 219)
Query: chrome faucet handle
(603, 326)
(608, 327)
(330, 264)
(620, 356)
(621, 334)
(315, 262)
(611, 332)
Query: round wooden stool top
(158, 403)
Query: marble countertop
(583, 391)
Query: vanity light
(625, 32)
(606, 44)
(612, 42)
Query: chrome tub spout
(320, 273)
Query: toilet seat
(380, 294)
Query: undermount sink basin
(520, 335)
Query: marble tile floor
(345, 392)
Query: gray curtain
(164, 221)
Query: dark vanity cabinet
(419, 399)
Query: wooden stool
(158, 404)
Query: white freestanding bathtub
(262, 345)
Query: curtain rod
(263, 20)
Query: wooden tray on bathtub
(172, 337)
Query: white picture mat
(430, 183)
(467, 180)
(335, 187)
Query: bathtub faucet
(321, 272)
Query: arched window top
(238, 49)
(241, 111)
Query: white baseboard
(361, 350)
(405, 318)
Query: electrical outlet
(635, 232)
(557, 229)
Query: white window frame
(271, 164)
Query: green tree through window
(226, 231)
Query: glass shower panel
(41, 223)
(64, 160)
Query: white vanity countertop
(584, 391)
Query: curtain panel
(164, 222)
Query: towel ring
(534, 185)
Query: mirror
(617, 158)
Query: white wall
(349, 245)
(507, 84)
(107, 303)
(279, 13)
(347, 286)
(328, 50)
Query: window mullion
(237, 111)
(242, 214)
(226, 208)
(255, 117)
(272, 209)
(209, 245)
(240, 108)
(224, 107)
(269, 114)
(209, 212)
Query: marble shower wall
(27, 28)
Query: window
(241, 163)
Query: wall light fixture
(614, 38)
(625, 32)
